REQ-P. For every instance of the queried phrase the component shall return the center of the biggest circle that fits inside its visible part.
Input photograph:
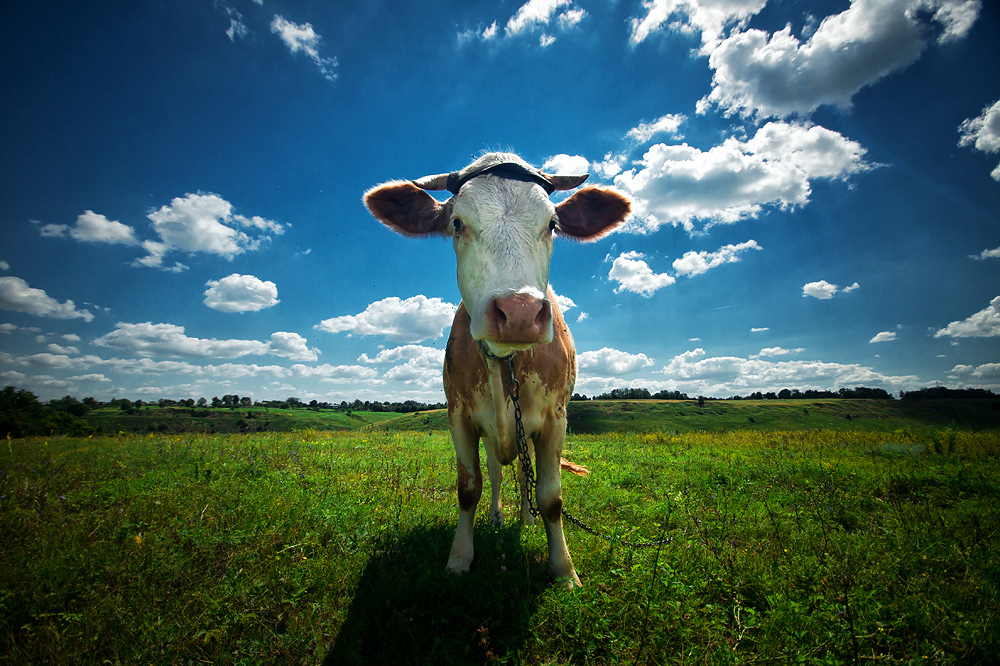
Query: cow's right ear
(404, 207)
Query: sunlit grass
(811, 547)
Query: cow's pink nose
(519, 319)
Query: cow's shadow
(408, 610)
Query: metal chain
(529, 473)
(522, 441)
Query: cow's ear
(592, 213)
(404, 207)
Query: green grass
(815, 547)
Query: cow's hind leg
(470, 489)
(549, 498)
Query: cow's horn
(566, 182)
(438, 182)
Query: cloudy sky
(816, 188)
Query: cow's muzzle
(519, 319)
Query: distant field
(719, 415)
(785, 546)
(224, 420)
(590, 417)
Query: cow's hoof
(458, 565)
(567, 582)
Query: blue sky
(816, 188)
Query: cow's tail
(579, 470)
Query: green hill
(589, 417)
(834, 414)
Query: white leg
(496, 481)
(549, 498)
(470, 488)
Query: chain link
(529, 473)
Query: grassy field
(813, 547)
(919, 416)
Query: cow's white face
(502, 225)
(503, 231)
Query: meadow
(815, 546)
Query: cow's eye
(457, 225)
(552, 224)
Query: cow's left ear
(592, 213)
(404, 207)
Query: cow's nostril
(497, 314)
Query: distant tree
(246, 401)
(202, 402)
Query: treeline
(634, 394)
(856, 393)
(22, 415)
(233, 401)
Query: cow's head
(502, 223)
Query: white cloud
(411, 320)
(983, 324)
(530, 16)
(532, 13)
(695, 372)
(633, 274)
(291, 345)
(986, 371)
(302, 37)
(53, 348)
(565, 303)
(884, 336)
(757, 73)
(240, 293)
(16, 295)
(429, 355)
(583, 316)
(987, 254)
(170, 341)
(334, 373)
(983, 134)
(760, 330)
(607, 361)
(822, 289)
(708, 17)
(4, 266)
(571, 17)
(696, 263)
(668, 124)
(566, 165)
(684, 185)
(610, 166)
(779, 351)
(94, 228)
(7, 329)
(202, 223)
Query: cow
(502, 224)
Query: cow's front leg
(549, 498)
(496, 481)
(470, 488)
